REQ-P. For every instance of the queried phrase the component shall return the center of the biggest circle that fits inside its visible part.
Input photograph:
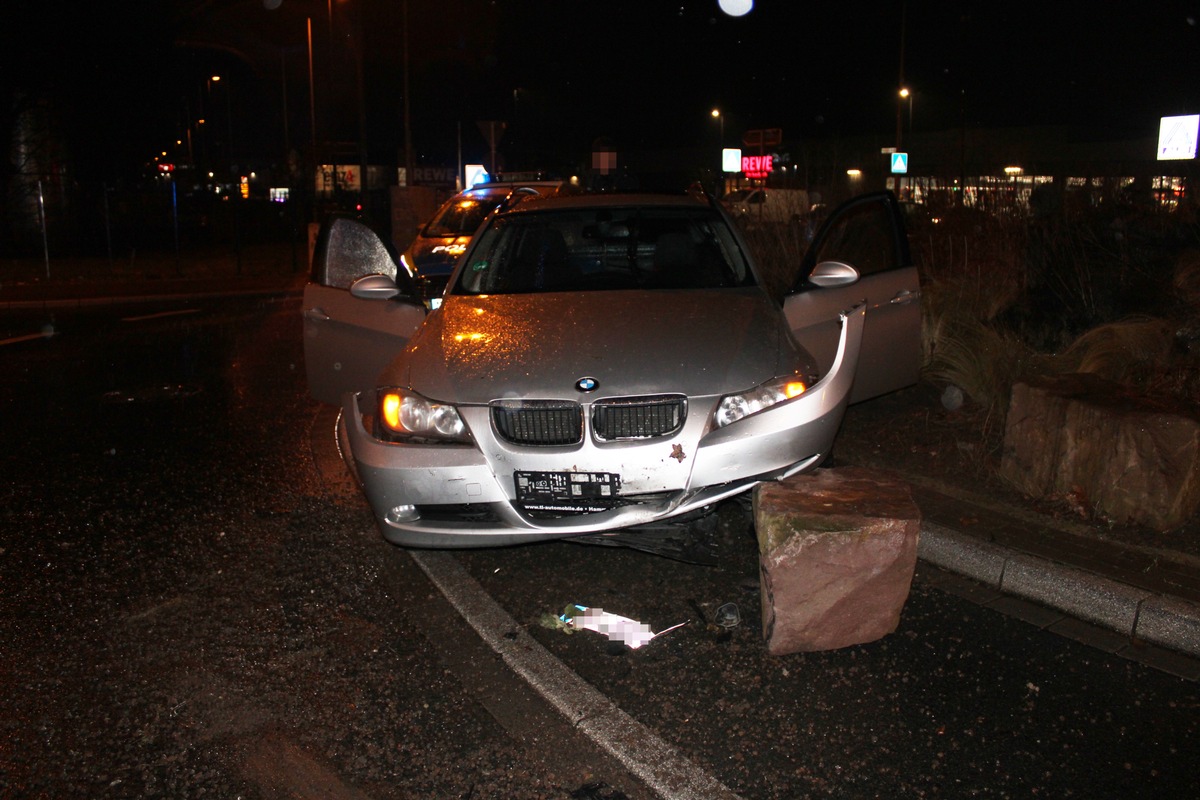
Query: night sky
(127, 76)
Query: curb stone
(1140, 615)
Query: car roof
(496, 191)
(516, 184)
(607, 200)
(484, 191)
(504, 187)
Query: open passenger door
(359, 311)
(861, 253)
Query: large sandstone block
(1084, 437)
(837, 550)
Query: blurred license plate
(588, 490)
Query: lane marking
(27, 338)
(161, 314)
(662, 767)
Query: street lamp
(905, 94)
(233, 176)
(228, 116)
(716, 114)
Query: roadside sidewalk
(76, 282)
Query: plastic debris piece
(728, 616)
(632, 633)
(953, 398)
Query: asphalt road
(193, 603)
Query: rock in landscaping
(1084, 437)
(837, 550)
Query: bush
(1113, 290)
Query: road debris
(728, 616)
(630, 632)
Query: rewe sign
(756, 166)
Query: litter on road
(632, 633)
(728, 616)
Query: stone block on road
(837, 550)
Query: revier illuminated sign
(756, 166)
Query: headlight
(406, 415)
(736, 406)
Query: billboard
(757, 167)
(346, 178)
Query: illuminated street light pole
(207, 120)
(720, 118)
(903, 92)
(228, 119)
(235, 195)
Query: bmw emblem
(586, 384)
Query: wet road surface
(192, 604)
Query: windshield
(461, 216)
(605, 249)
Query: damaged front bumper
(445, 496)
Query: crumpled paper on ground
(632, 633)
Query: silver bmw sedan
(600, 362)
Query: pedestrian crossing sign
(899, 163)
(1177, 137)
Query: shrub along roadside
(1113, 291)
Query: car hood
(435, 255)
(478, 349)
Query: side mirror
(374, 287)
(830, 274)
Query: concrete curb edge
(1164, 621)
